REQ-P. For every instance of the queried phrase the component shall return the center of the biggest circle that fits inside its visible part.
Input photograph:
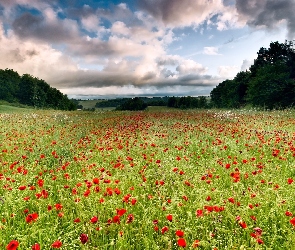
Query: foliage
(29, 90)
(153, 101)
(187, 102)
(133, 104)
(272, 87)
(269, 83)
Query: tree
(172, 102)
(276, 52)
(133, 104)
(9, 85)
(269, 83)
(272, 87)
(28, 90)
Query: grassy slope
(11, 109)
(88, 104)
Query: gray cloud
(131, 52)
(181, 13)
(268, 13)
(37, 27)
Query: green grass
(88, 104)
(11, 109)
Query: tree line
(141, 103)
(31, 91)
(269, 83)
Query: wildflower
(77, 220)
(58, 206)
(40, 182)
(120, 212)
(31, 217)
(95, 180)
(199, 213)
(94, 219)
(164, 229)
(83, 238)
(130, 218)
(196, 243)
(231, 200)
(181, 242)
(116, 219)
(243, 224)
(12, 245)
(36, 246)
(179, 233)
(288, 213)
(169, 217)
(292, 221)
(56, 244)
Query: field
(157, 179)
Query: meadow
(156, 179)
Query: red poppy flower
(260, 241)
(12, 245)
(94, 219)
(120, 212)
(292, 221)
(58, 206)
(231, 200)
(196, 243)
(40, 182)
(169, 217)
(243, 224)
(179, 233)
(199, 213)
(181, 242)
(164, 229)
(36, 246)
(83, 238)
(116, 219)
(77, 220)
(95, 180)
(86, 193)
(130, 218)
(288, 213)
(56, 244)
(31, 217)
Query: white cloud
(227, 71)
(213, 51)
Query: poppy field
(163, 179)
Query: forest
(31, 91)
(269, 83)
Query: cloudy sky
(93, 48)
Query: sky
(105, 49)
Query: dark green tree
(9, 85)
(272, 87)
(172, 102)
(28, 90)
(133, 104)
